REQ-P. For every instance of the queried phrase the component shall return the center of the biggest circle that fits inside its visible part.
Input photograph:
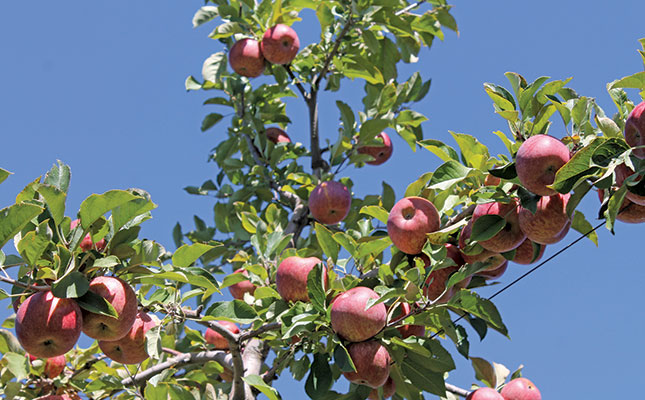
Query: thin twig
(44, 288)
(457, 390)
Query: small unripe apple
(280, 44)
(350, 319)
(246, 58)
(537, 160)
(237, 290)
(372, 362)
(521, 389)
(380, 153)
(389, 388)
(291, 277)
(511, 236)
(131, 349)
(484, 393)
(330, 202)
(216, 339)
(409, 221)
(635, 130)
(277, 135)
(122, 297)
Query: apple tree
(325, 285)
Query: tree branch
(457, 390)
(35, 288)
(254, 355)
(257, 332)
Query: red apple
(631, 213)
(87, 244)
(329, 202)
(54, 366)
(521, 389)
(122, 297)
(408, 330)
(537, 161)
(492, 180)
(562, 233)
(237, 290)
(277, 135)
(549, 219)
(525, 254)
(409, 221)
(389, 388)
(131, 349)
(216, 339)
(55, 397)
(291, 277)
(380, 153)
(435, 284)
(635, 130)
(350, 319)
(484, 393)
(280, 44)
(47, 326)
(372, 362)
(511, 236)
(622, 173)
(494, 273)
(246, 58)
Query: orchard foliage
(261, 217)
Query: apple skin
(216, 339)
(237, 290)
(87, 244)
(631, 213)
(408, 330)
(55, 397)
(291, 277)
(495, 259)
(524, 253)
(492, 180)
(130, 349)
(537, 160)
(54, 366)
(511, 236)
(122, 297)
(372, 362)
(635, 130)
(350, 319)
(622, 173)
(277, 135)
(280, 44)
(435, 284)
(389, 388)
(330, 202)
(549, 219)
(409, 221)
(521, 389)
(494, 273)
(484, 393)
(380, 153)
(246, 59)
(47, 326)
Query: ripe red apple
(549, 219)
(524, 253)
(55, 397)
(47, 326)
(484, 393)
(237, 290)
(54, 366)
(291, 277)
(329, 202)
(635, 130)
(246, 58)
(380, 153)
(631, 213)
(280, 44)
(372, 362)
(350, 319)
(409, 221)
(87, 244)
(494, 273)
(521, 389)
(435, 284)
(622, 173)
(277, 135)
(216, 339)
(511, 236)
(389, 388)
(130, 349)
(408, 330)
(122, 297)
(537, 161)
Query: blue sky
(100, 85)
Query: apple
(549, 219)
(484, 393)
(380, 153)
(47, 326)
(521, 389)
(246, 58)
(537, 160)
(511, 236)
(55, 397)
(635, 130)
(87, 244)
(216, 339)
(329, 202)
(631, 213)
(122, 297)
(408, 330)
(562, 233)
(389, 388)
(350, 319)
(435, 284)
(494, 259)
(280, 44)
(622, 173)
(524, 254)
(372, 362)
(291, 277)
(54, 366)
(277, 135)
(494, 273)
(131, 348)
(492, 180)
(409, 221)
(237, 290)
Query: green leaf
(608, 127)
(423, 378)
(343, 360)
(580, 224)
(97, 304)
(375, 246)
(448, 174)
(316, 287)
(371, 128)
(18, 365)
(473, 153)
(377, 212)
(4, 174)
(347, 242)
(440, 149)
(210, 120)
(320, 378)
(153, 342)
(130, 210)
(487, 226)
(528, 200)
(577, 168)
(234, 311)
(485, 309)
(326, 241)
(9, 343)
(608, 151)
(506, 172)
(415, 188)
(204, 14)
(58, 176)
(484, 371)
(55, 201)
(388, 197)
(14, 218)
(187, 254)
(96, 205)
(410, 118)
(72, 285)
(346, 117)
(635, 81)
(33, 245)
(257, 382)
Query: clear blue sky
(100, 85)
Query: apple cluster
(516, 389)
